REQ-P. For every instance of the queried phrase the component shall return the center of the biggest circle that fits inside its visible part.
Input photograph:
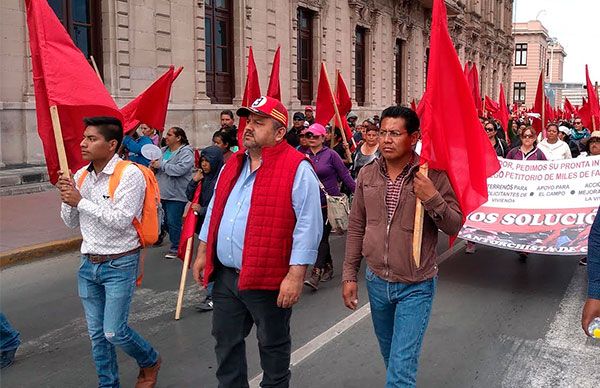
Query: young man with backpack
(114, 203)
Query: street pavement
(495, 323)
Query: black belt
(98, 259)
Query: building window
(218, 40)
(399, 56)
(547, 68)
(82, 20)
(521, 54)
(305, 56)
(519, 92)
(360, 52)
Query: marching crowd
(264, 218)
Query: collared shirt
(393, 187)
(106, 223)
(307, 207)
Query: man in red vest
(261, 231)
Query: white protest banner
(544, 207)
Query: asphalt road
(495, 323)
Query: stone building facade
(535, 50)
(379, 46)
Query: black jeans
(324, 252)
(233, 316)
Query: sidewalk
(30, 226)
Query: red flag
(502, 114)
(491, 106)
(324, 109)
(189, 225)
(585, 115)
(274, 90)
(474, 86)
(569, 109)
(62, 77)
(150, 107)
(464, 152)
(537, 105)
(344, 106)
(413, 105)
(549, 112)
(251, 93)
(593, 102)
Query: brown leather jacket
(388, 247)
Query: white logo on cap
(259, 102)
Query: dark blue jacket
(135, 148)
(593, 259)
(214, 156)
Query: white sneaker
(171, 255)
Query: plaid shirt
(393, 187)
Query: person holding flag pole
(450, 183)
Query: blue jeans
(173, 218)
(106, 290)
(9, 337)
(400, 314)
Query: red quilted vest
(271, 218)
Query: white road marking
(565, 357)
(339, 328)
(322, 339)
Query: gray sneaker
(205, 305)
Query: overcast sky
(576, 25)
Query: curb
(38, 251)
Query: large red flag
(491, 106)
(324, 109)
(569, 109)
(344, 106)
(503, 113)
(585, 115)
(251, 93)
(474, 86)
(274, 89)
(189, 225)
(593, 102)
(464, 152)
(62, 77)
(150, 107)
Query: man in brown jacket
(381, 230)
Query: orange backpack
(148, 228)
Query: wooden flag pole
(543, 104)
(418, 229)
(338, 118)
(58, 139)
(96, 68)
(184, 271)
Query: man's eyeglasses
(392, 134)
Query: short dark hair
(411, 120)
(109, 127)
(371, 127)
(179, 132)
(552, 125)
(226, 112)
(224, 136)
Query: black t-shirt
(292, 137)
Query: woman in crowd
(500, 146)
(132, 147)
(526, 151)
(150, 132)
(341, 147)
(367, 150)
(513, 131)
(331, 171)
(211, 161)
(222, 140)
(552, 146)
(303, 142)
(173, 172)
